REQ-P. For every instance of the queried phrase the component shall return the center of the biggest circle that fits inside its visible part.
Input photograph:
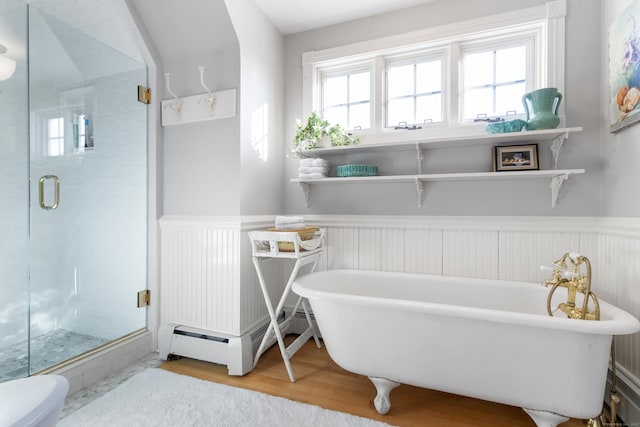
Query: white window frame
(546, 21)
(422, 56)
(534, 73)
(333, 71)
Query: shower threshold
(46, 350)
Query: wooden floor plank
(319, 381)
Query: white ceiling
(293, 16)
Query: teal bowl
(504, 127)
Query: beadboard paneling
(343, 248)
(369, 249)
(627, 291)
(423, 251)
(523, 252)
(392, 249)
(470, 253)
(200, 276)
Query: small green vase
(541, 108)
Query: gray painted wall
(228, 166)
(201, 167)
(620, 150)
(212, 168)
(261, 109)
(579, 196)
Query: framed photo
(624, 69)
(515, 158)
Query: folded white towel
(290, 223)
(314, 162)
(288, 219)
(311, 244)
(314, 175)
(292, 226)
(313, 169)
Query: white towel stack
(313, 168)
(290, 223)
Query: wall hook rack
(178, 104)
(182, 110)
(209, 98)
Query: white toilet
(32, 402)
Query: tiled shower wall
(509, 248)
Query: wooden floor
(319, 381)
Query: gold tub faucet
(569, 276)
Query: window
(55, 136)
(414, 92)
(438, 78)
(494, 80)
(346, 98)
(65, 131)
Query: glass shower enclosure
(73, 193)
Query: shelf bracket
(419, 157)
(420, 190)
(556, 146)
(305, 189)
(556, 183)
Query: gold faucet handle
(555, 275)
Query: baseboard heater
(236, 352)
(299, 322)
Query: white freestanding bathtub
(487, 339)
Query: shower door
(88, 192)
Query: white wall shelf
(557, 176)
(411, 141)
(407, 139)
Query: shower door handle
(56, 192)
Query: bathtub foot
(383, 387)
(545, 419)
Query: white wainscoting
(208, 279)
(207, 276)
(200, 273)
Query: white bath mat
(157, 398)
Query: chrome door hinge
(144, 94)
(144, 298)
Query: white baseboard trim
(629, 393)
(236, 352)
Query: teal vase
(541, 108)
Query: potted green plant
(339, 136)
(308, 136)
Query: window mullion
(495, 83)
(348, 101)
(378, 94)
(415, 93)
(453, 85)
